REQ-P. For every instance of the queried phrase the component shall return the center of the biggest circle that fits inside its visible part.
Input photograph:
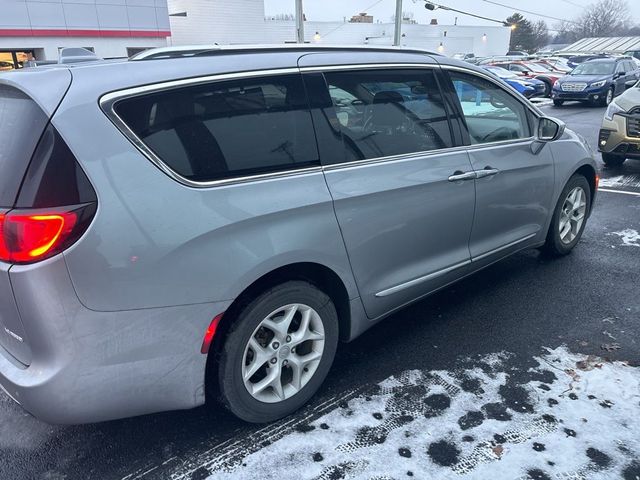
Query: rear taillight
(28, 236)
(54, 207)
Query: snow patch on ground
(629, 237)
(620, 181)
(571, 417)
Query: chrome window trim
(393, 158)
(107, 103)
(367, 66)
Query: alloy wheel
(283, 353)
(609, 97)
(572, 215)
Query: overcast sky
(327, 10)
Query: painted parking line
(607, 190)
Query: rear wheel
(558, 103)
(612, 159)
(569, 216)
(547, 89)
(278, 352)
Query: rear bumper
(92, 366)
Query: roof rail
(185, 51)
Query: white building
(111, 28)
(243, 21)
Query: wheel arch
(317, 274)
(589, 173)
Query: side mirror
(620, 74)
(550, 129)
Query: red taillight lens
(30, 236)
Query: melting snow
(571, 417)
(629, 237)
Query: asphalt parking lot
(528, 369)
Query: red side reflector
(27, 237)
(597, 181)
(210, 333)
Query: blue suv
(596, 81)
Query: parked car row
(595, 79)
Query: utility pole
(397, 34)
(299, 22)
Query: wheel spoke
(296, 370)
(260, 357)
(272, 378)
(276, 384)
(280, 327)
(305, 332)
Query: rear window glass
(226, 129)
(22, 122)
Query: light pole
(397, 33)
(299, 22)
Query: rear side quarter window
(226, 129)
(22, 122)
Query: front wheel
(558, 103)
(612, 159)
(278, 352)
(608, 98)
(569, 216)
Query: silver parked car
(214, 225)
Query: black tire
(234, 394)
(558, 103)
(612, 159)
(605, 101)
(554, 245)
(547, 88)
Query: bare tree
(539, 35)
(604, 18)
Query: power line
(574, 4)
(444, 7)
(530, 12)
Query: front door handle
(487, 172)
(459, 175)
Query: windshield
(502, 72)
(594, 68)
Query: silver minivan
(213, 226)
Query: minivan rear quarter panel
(183, 243)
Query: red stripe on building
(83, 33)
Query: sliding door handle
(487, 172)
(459, 175)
